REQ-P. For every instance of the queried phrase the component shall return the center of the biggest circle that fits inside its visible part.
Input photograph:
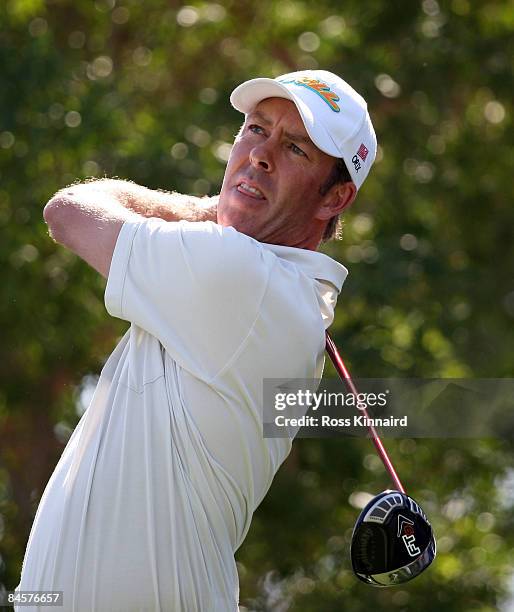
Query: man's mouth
(251, 191)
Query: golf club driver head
(392, 541)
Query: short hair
(339, 174)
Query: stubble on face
(271, 188)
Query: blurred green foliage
(140, 90)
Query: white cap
(335, 116)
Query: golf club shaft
(344, 374)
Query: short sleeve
(196, 287)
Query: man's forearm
(152, 203)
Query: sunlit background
(139, 90)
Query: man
(156, 487)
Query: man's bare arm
(146, 202)
(87, 224)
(87, 217)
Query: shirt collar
(313, 263)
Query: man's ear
(336, 200)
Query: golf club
(392, 541)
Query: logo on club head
(406, 532)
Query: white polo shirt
(157, 485)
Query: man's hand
(87, 218)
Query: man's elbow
(54, 214)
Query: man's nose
(261, 157)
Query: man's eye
(296, 150)
(256, 129)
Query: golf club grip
(345, 376)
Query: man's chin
(245, 226)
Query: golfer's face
(273, 177)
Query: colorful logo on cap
(318, 87)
